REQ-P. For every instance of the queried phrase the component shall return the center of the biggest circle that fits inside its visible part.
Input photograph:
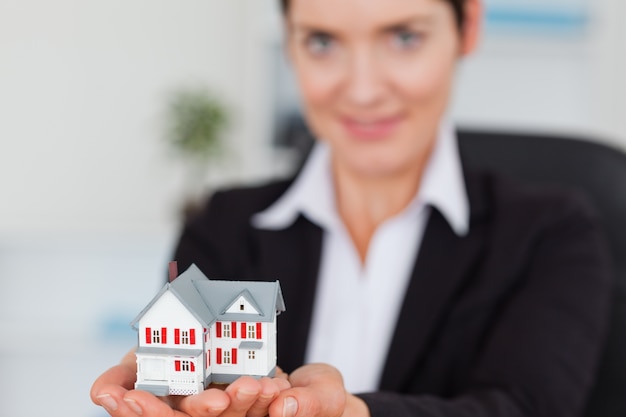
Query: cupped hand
(317, 390)
(247, 396)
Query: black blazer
(506, 321)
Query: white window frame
(252, 331)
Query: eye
(405, 38)
(319, 43)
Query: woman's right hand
(114, 391)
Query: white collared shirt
(357, 305)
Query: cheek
(318, 86)
(423, 84)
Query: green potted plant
(197, 120)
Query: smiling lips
(371, 129)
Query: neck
(364, 203)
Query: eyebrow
(415, 21)
(418, 20)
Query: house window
(156, 335)
(184, 366)
(184, 337)
(251, 331)
(226, 358)
(251, 354)
(226, 329)
(241, 307)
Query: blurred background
(94, 180)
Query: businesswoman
(414, 286)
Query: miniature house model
(197, 331)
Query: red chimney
(173, 266)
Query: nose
(365, 84)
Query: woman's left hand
(317, 391)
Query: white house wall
(181, 382)
(242, 306)
(271, 344)
(264, 360)
(170, 314)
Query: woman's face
(375, 77)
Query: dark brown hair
(457, 6)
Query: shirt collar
(312, 193)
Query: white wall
(609, 69)
(89, 195)
(83, 90)
(570, 84)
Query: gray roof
(208, 299)
(251, 345)
(173, 352)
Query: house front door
(251, 366)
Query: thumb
(317, 390)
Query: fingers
(246, 397)
(109, 389)
(270, 389)
(142, 403)
(317, 390)
(209, 403)
(235, 401)
(281, 374)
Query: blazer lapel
(292, 256)
(445, 260)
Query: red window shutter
(148, 335)
(192, 367)
(206, 360)
(234, 327)
(218, 355)
(164, 335)
(177, 336)
(258, 331)
(218, 329)
(177, 366)
(244, 334)
(192, 336)
(234, 355)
